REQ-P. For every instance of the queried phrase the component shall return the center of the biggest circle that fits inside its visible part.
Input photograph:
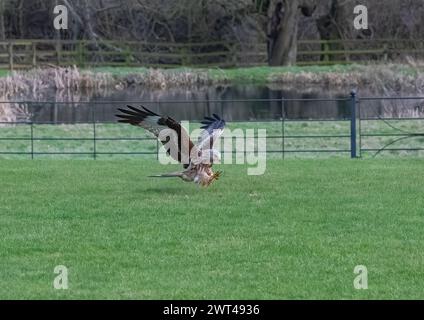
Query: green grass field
(296, 232)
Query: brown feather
(137, 117)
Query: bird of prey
(197, 159)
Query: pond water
(229, 102)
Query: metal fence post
(353, 124)
(283, 128)
(32, 140)
(94, 140)
(157, 141)
(93, 118)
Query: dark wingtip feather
(214, 123)
(135, 109)
(150, 111)
(135, 115)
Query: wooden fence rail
(24, 54)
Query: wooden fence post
(34, 54)
(234, 49)
(385, 52)
(189, 52)
(128, 55)
(326, 51)
(58, 52)
(10, 51)
(81, 54)
(183, 52)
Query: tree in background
(283, 22)
(279, 23)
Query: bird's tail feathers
(167, 175)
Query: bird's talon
(218, 175)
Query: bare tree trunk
(20, 9)
(329, 28)
(2, 28)
(283, 16)
(87, 20)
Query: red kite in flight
(197, 158)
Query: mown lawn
(296, 232)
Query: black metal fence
(403, 131)
(370, 126)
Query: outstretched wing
(156, 124)
(213, 129)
